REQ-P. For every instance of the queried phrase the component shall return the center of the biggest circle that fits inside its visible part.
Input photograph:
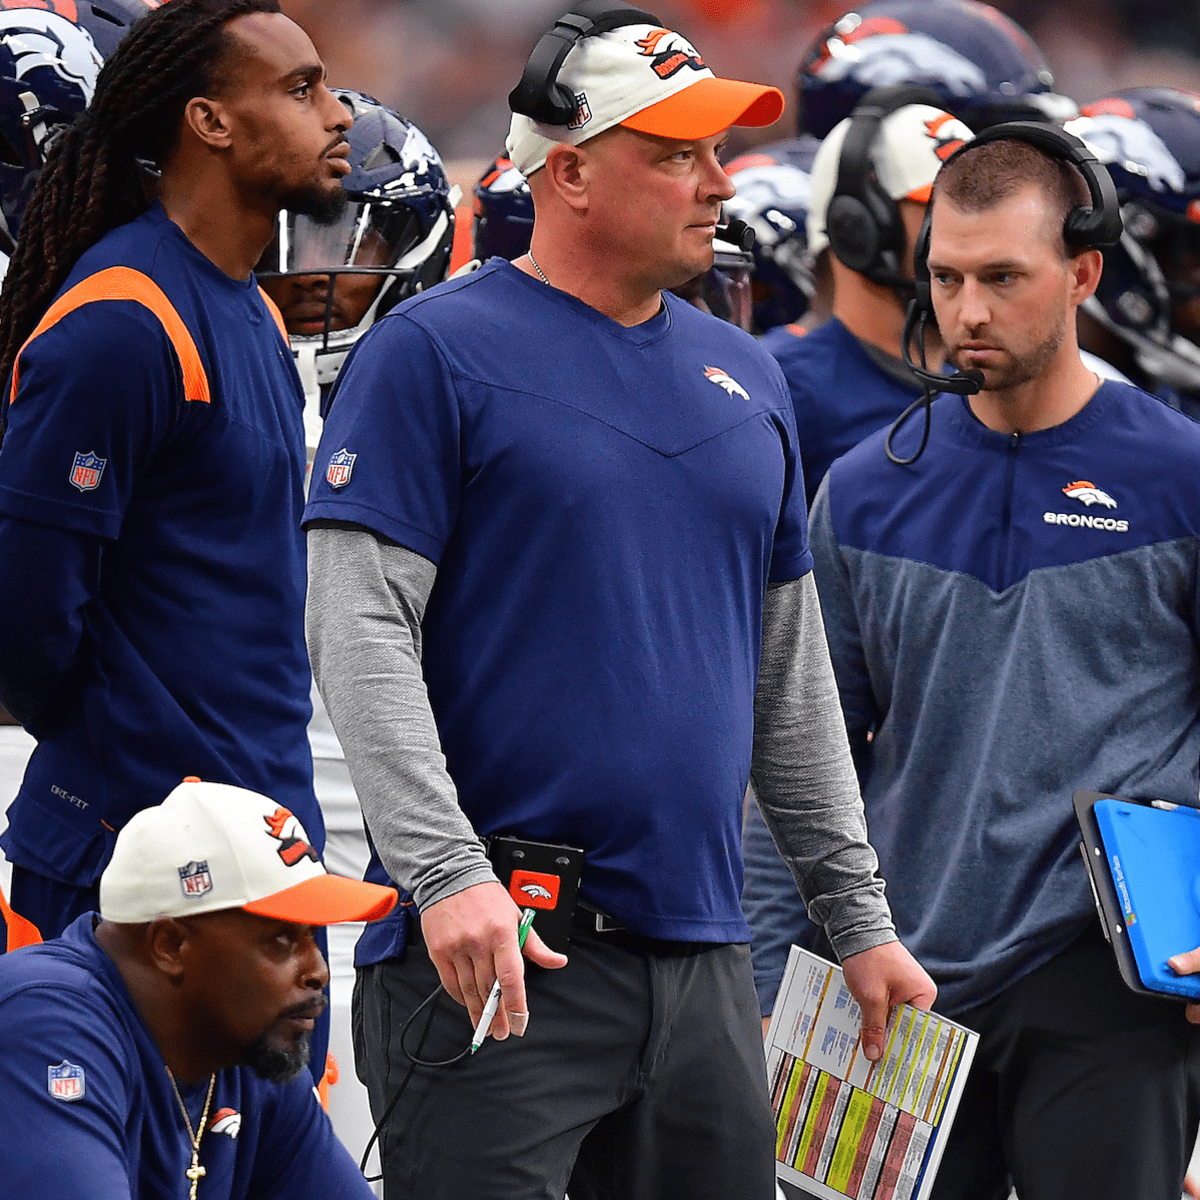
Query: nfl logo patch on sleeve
(66, 1081)
(341, 464)
(87, 470)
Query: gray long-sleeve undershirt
(366, 601)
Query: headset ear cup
(852, 232)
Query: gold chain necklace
(195, 1172)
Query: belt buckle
(607, 924)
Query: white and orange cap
(645, 78)
(910, 146)
(210, 846)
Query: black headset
(862, 221)
(539, 95)
(1087, 227)
(542, 98)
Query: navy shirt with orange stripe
(151, 486)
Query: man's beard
(1022, 370)
(275, 1065)
(323, 204)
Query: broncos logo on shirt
(724, 380)
(1088, 493)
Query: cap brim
(707, 107)
(327, 900)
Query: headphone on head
(862, 221)
(539, 95)
(1087, 227)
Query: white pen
(493, 1000)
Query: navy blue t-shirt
(840, 394)
(89, 1112)
(192, 659)
(605, 507)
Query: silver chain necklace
(541, 273)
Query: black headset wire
(915, 320)
(414, 1061)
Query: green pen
(493, 1000)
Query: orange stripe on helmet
(124, 283)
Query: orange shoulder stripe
(273, 309)
(21, 932)
(124, 283)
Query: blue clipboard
(1144, 866)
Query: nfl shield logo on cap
(86, 471)
(66, 1081)
(195, 879)
(341, 463)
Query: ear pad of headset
(852, 231)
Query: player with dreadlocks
(152, 468)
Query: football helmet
(980, 62)
(1149, 139)
(398, 231)
(503, 213)
(50, 56)
(773, 195)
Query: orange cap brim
(707, 107)
(327, 900)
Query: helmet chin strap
(305, 354)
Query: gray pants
(641, 1077)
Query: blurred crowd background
(448, 65)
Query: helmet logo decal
(894, 58)
(284, 826)
(669, 53)
(1129, 142)
(38, 38)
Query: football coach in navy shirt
(157, 1049)
(560, 589)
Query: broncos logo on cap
(1088, 493)
(284, 825)
(946, 146)
(669, 53)
(724, 380)
(38, 38)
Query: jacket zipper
(1014, 441)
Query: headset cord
(414, 1061)
(926, 397)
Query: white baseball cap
(646, 78)
(210, 846)
(910, 147)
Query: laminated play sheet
(846, 1126)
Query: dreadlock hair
(94, 175)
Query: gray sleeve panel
(804, 778)
(366, 599)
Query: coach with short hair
(1012, 617)
(566, 542)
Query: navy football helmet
(1149, 139)
(50, 56)
(773, 188)
(981, 63)
(503, 213)
(397, 232)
